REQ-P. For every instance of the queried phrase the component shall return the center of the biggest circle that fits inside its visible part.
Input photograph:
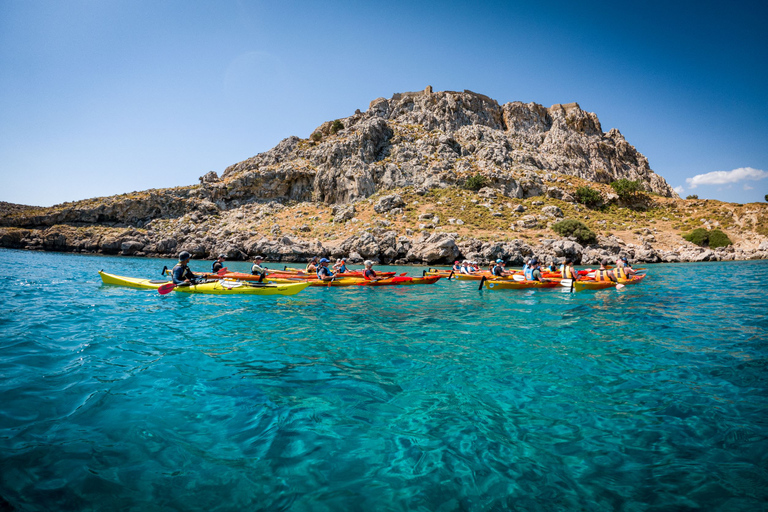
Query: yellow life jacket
(567, 272)
(620, 273)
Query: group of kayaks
(278, 282)
(291, 281)
(517, 281)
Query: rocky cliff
(387, 184)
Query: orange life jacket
(602, 276)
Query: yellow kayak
(601, 285)
(223, 287)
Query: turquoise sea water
(436, 397)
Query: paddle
(450, 275)
(482, 282)
(166, 288)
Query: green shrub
(698, 236)
(692, 196)
(336, 126)
(476, 182)
(703, 238)
(766, 198)
(572, 227)
(316, 136)
(718, 239)
(625, 188)
(588, 196)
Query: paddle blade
(619, 286)
(222, 271)
(518, 277)
(566, 282)
(401, 275)
(166, 288)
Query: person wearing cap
(529, 266)
(603, 274)
(218, 264)
(180, 273)
(312, 265)
(456, 266)
(323, 272)
(369, 274)
(257, 269)
(533, 272)
(498, 269)
(567, 271)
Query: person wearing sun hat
(323, 272)
(181, 274)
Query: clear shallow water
(407, 398)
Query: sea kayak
(601, 285)
(507, 284)
(221, 287)
(401, 281)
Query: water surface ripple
(412, 398)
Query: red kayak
(401, 280)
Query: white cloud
(747, 187)
(679, 190)
(724, 177)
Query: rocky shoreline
(379, 245)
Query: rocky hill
(391, 184)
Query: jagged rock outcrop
(435, 139)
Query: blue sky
(104, 97)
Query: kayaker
(475, 267)
(258, 269)
(465, 268)
(567, 271)
(603, 274)
(343, 268)
(369, 274)
(181, 273)
(218, 264)
(456, 266)
(533, 272)
(323, 272)
(312, 265)
(498, 269)
(551, 267)
(337, 265)
(623, 270)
